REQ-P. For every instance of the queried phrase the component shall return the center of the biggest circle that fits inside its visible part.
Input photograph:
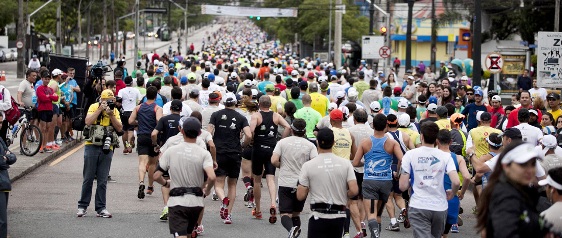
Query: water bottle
(15, 129)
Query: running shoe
(141, 191)
(164, 215)
(250, 192)
(256, 214)
(41, 150)
(48, 149)
(251, 204)
(125, 151)
(391, 227)
(228, 220)
(55, 147)
(104, 213)
(58, 142)
(81, 212)
(400, 218)
(404, 213)
(200, 229)
(149, 190)
(215, 197)
(359, 235)
(111, 180)
(224, 208)
(455, 228)
(272, 215)
(346, 235)
(376, 233)
(364, 229)
(295, 232)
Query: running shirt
(530, 133)
(131, 96)
(377, 161)
(312, 117)
(146, 118)
(319, 103)
(427, 168)
(360, 132)
(186, 163)
(277, 102)
(447, 182)
(478, 136)
(443, 124)
(228, 125)
(342, 145)
(294, 151)
(207, 113)
(168, 127)
(266, 132)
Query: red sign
(384, 52)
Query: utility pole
(185, 27)
(21, 38)
(409, 36)
(433, 38)
(371, 17)
(104, 30)
(79, 24)
(137, 19)
(330, 33)
(88, 32)
(114, 34)
(337, 34)
(477, 43)
(59, 30)
(557, 16)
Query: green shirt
(312, 117)
(361, 86)
(297, 102)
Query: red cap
(336, 115)
(311, 75)
(397, 90)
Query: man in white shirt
(368, 73)
(427, 166)
(176, 93)
(537, 92)
(34, 63)
(530, 134)
(130, 96)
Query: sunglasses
(470, 94)
(551, 99)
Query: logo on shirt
(262, 127)
(223, 117)
(233, 126)
(233, 119)
(435, 161)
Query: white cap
(548, 180)
(156, 62)
(521, 154)
(375, 106)
(410, 77)
(332, 106)
(478, 115)
(451, 79)
(254, 92)
(432, 107)
(380, 72)
(322, 79)
(404, 119)
(464, 77)
(496, 98)
(534, 112)
(219, 80)
(248, 83)
(403, 103)
(295, 72)
(352, 93)
(233, 75)
(549, 141)
(206, 75)
(56, 72)
(340, 94)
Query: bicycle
(30, 138)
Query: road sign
(19, 44)
(549, 52)
(384, 52)
(371, 44)
(494, 62)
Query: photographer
(97, 157)
(7, 158)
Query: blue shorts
(453, 210)
(56, 110)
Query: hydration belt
(328, 208)
(180, 191)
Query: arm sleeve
(313, 152)
(22, 87)
(469, 140)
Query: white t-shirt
(185, 109)
(540, 92)
(131, 96)
(491, 163)
(530, 133)
(294, 151)
(427, 167)
(360, 132)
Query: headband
(492, 143)
(297, 130)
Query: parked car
(130, 35)
(93, 40)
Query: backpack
(13, 114)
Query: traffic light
(383, 31)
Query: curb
(45, 160)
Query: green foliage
(8, 12)
(486, 74)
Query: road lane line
(63, 157)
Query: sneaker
(164, 215)
(346, 235)
(200, 229)
(125, 151)
(256, 214)
(250, 192)
(224, 208)
(400, 218)
(55, 147)
(41, 150)
(295, 232)
(149, 190)
(140, 194)
(111, 180)
(358, 235)
(58, 142)
(215, 197)
(455, 228)
(228, 220)
(81, 212)
(48, 149)
(376, 233)
(251, 204)
(272, 215)
(364, 229)
(104, 213)
(404, 214)
(391, 227)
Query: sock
(247, 181)
(373, 227)
(287, 222)
(296, 221)
(403, 209)
(393, 221)
(347, 221)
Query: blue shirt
(73, 84)
(261, 86)
(159, 101)
(377, 161)
(470, 112)
(66, 92)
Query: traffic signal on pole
(383, 31)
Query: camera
(106, 144)
(99, 70)
(111, 104)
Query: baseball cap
(451, 79)
(159, 71)
(176, 105)
(432, 107)
(311, 75)
(269, 88)
(332, 106)
(513, 133)
(303, 85)
(219, 81)
(171, 65)
(183, 80)
(556, 96)
(191, 126)
(322, 79)
(550, 181)
(457, 118)
(458, 99)
(433, 100)
(230, 98)
(191, 77)
(294, 73)
(45, 74)
(404, 119)
(313, 87)
(521, 154)
(496, 98)
(248, 83)
(375, 106)
(464, 78)
(485, 116)
(478, 92)
(411, 77)
(194, 92)
(233, 75)
(214, 97)
(442, 62)
(549, 141)
(397, 90)
(108, 93)
(533, 111)
(352, 92)
(325, 136)
(441, 111)
(340, 94)
(56, 72)
(547, 130)
(336, 115)
(403, 103)
(211, 77)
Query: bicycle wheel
(30, 140)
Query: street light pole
(409, 36)
(136, 31)
(21, 38)
(371, 17)
(185, 28)
(59, 30)
(337, 34)
(330, 34)
(477, 43)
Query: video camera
(99, 70)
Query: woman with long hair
(507, 206)
(547, 124)
(447, 95)
(391, 81)
(431, 90)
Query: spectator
(524, 82)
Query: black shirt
(168, 127)
(228, 125)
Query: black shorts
(395, 183)
(288, 202)
(68, 114)
(359, 177)
(31, 115)
(144, 146)
(261, 160)
(56, 110)
(229, 165)
(125, 121)
(182, 220)
(247, 153)
(46, 116)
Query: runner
(289, 155)
(130, 98)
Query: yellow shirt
(277, 102)
(342, 145)
(479, 135)
(319, 103)
(443, 124)
(412, 134)
(555, 114)
(57, 91)
(105, 119)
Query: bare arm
(358, 155)
(281, 121)
(133, 117)
(253, 123)
(213, 150)
(211, 177)
(302, 192)
(404, 183)
(455, 184)
(276, 160)
(352, 188)
(465, 174)
(154, 136)
(211, 129)
(479, 163)
(159, 113)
